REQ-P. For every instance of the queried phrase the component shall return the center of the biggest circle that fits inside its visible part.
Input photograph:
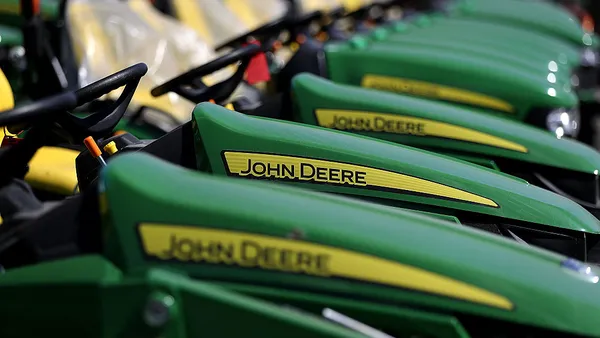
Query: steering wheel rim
(182, 83)
(268, 29)
(39, 109)
(101, 123)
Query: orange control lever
(93, 148)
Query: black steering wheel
(102, 122)
(43, 114)
(39, 110)
(190, 86)
(268, 30)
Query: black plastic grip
(206, 69)
(189, 85)
(106, 85)
(272, 28)
(34, 111)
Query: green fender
(227, 143)
(483, 134)
(507, 89)
(540, 15)
(513, 39)
(500, 279)
(533, 59)
(89, 295)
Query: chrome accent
(590, 57)
(564, 122)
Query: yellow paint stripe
(341, 263)
(381, 122)
(237, 162)
(435, 91)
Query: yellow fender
(52, 169)
(7, 101)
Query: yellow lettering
(434, 91)
(337, 173)
(400, 124)
(303, 171)
(245, 253)
(193, 244)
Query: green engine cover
(530, 60)
(542, 16)
(311, 250)
(502, 38)
(442, 74)
(434, 125)
(232, 144)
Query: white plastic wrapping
(110, 35)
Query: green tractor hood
(232, 144)
(311, 251)
(539, 15)
(531, 60)
(434, 125)
(501, 37)
(445, 75)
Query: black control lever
(190, 86)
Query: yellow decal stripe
(354, 121)
(319, 171)
(435, 91)
(195, 245)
